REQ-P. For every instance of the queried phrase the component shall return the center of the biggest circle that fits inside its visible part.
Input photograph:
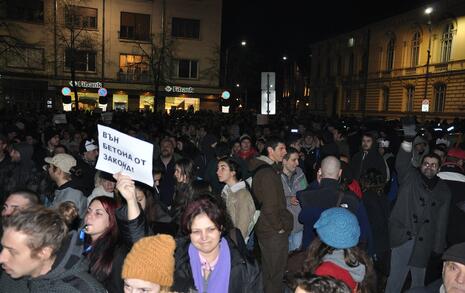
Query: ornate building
(410, 63)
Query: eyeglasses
(428, 164)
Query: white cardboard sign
(121, 152)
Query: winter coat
(362, 162)
(292, 185)
(456, 182)
(419, 213)
(23, 174)
(240, 206)
(268, 189)
(314, 202)
(167, 182)
(86, 181)
(245, 276)
(69, 274)
(377, 207)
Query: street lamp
(428, 12)
(226, 60)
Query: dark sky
(287, 27)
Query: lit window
(350, 42)
(133, 68)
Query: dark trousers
(274, 252)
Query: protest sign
(121, 152)
(59, 119)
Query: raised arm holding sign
(119, 152)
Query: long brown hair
(352, 256)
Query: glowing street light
(238, 85)
(428, 10)
(243, 43)
(284, 58)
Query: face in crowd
(13, 204)
(167, 149)
(367, 143)
(205, 235)
(97, 220)
(277, 154)
(453, 276)
(291, 163)
(224, 172)
(430, 167)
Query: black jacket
(68, 274)
(245, 274)
(361, 162)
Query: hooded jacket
(23, 174)
(68, 274)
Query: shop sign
(102, 92)
(425, 105)
(179, 89)
(226, 95)
(86, 84)
(66, 91)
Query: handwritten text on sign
(121, 152)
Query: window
(410, 98)
(440, 95)
(390, 55)
(347, 99)
(185, 28)
(350, 42)
(385, 99)
(135, 26)
(415, 51)
(133, 68)
(328, 67)
(26, 10)
(83, 60)
(446, 45)
(339, 65)
(186, 68)
(81, 17)
(351, 64)
(25, 57)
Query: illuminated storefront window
(181, 103)
(120, 102)
(87, 101)
(146, 103)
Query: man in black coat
(367, 158)
(418, 221)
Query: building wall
(106, 42)
(371, 44)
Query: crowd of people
(300, 203)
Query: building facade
(145, 54)
(413, 63)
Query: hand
(125, 186)
(281, 231)
(409, 126)
(294, 201)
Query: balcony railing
(134, 76)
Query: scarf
(218, 280)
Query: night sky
(274, 29)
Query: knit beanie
(338, 228)
(151, 259)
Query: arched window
(390, 54)
(440, 97)
(446, 44)
(415, 50)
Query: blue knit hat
(338, 228)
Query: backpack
(249, 184)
